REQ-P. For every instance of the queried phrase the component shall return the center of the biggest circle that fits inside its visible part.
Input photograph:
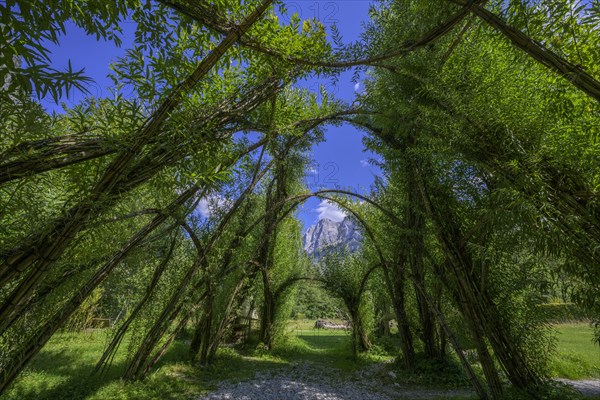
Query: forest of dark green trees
(483, 226)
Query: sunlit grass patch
(64, 370)
(577, 357)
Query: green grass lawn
(63, 370)
(318, 339)
(324, 346)
(576, 356)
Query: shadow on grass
(62, 374)
(64, 370)
(330, 349)
(325, 342)
(231, 365)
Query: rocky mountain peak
(331, 234)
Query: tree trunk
(360, 339)
(415, 222)
(475, 301)
(225, 320)
(268, 311)
(202, 331)
(399, 303)
(137, 366)
(435, 310)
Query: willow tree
(346, 276)
(217, 283)
(473, 134)
(409, 275)
(192, 90)
(465, 104)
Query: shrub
(563, 312)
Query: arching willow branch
(111, 350)
(38, 156)
(174, 305)
(573, 73)
(49, 247)
(219, 24)
(34, 344)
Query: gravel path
(284, 387)
(308, 381)
(588, 387)
(313, 382)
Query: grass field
(63, 370)
(319, 340)
(576, 356)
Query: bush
(389, 344)
(438, 372)
(563, 312)
(547, 391)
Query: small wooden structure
(240, 328)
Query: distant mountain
(330, 234)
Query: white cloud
(356, 86)
(203, 207)
(207, 205)
(331, 211)
(364, 163)
(312, 171)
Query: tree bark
(395, 278)
(416, 242)
(360, 339)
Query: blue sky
(339, 161)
